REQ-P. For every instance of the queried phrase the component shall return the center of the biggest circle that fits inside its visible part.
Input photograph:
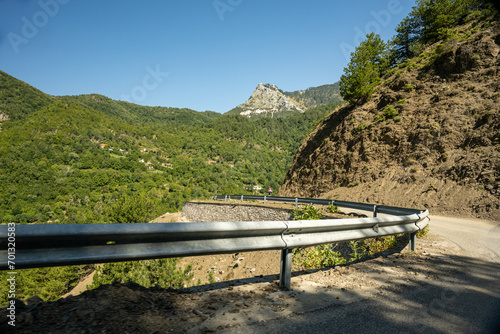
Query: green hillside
(90, 159)
(316, 96)
(136, 113)
(18, 99)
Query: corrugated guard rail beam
(48, 245)
(391, 210)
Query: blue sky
(199, 54)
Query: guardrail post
(264, 199)
(413, 240)
(286, 268)
(225, 198)
(296, 202)
(242, 198)
(374, 211)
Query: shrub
(317, 257)
(390, 112)
(47, 283)
(307, 212)
(423, 232)
(353, 184)
(332, 208)
(147, 273)
(409, 87)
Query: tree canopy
(368, 62)
(429, 21)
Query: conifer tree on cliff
(368, 62)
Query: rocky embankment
(227, 211)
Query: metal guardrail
(374, 208)
(71, 244)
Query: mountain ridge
(268, 100)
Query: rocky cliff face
(266, 99)
(429, 136)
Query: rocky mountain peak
(266, 99)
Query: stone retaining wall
(217, 212)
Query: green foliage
(390, 112)
(47, 283)
(358, 250)
(332, 209)
(424, 232)
(19, 99)
(317, 257)
(368, 63)
(132, 210)
(409, 87)
(379, 244)
(431, 21)
(307, 212)
(316, 96)
(163, 272)
(366, 247)
(53, 170)
(211, 278)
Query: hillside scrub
(428, 136)
(429, 22)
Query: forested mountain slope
(428, 136)
(91, 159)
(18, 99)
(316, 96)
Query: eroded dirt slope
(428, 137)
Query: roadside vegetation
(331, 255)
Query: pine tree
(362, 74)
